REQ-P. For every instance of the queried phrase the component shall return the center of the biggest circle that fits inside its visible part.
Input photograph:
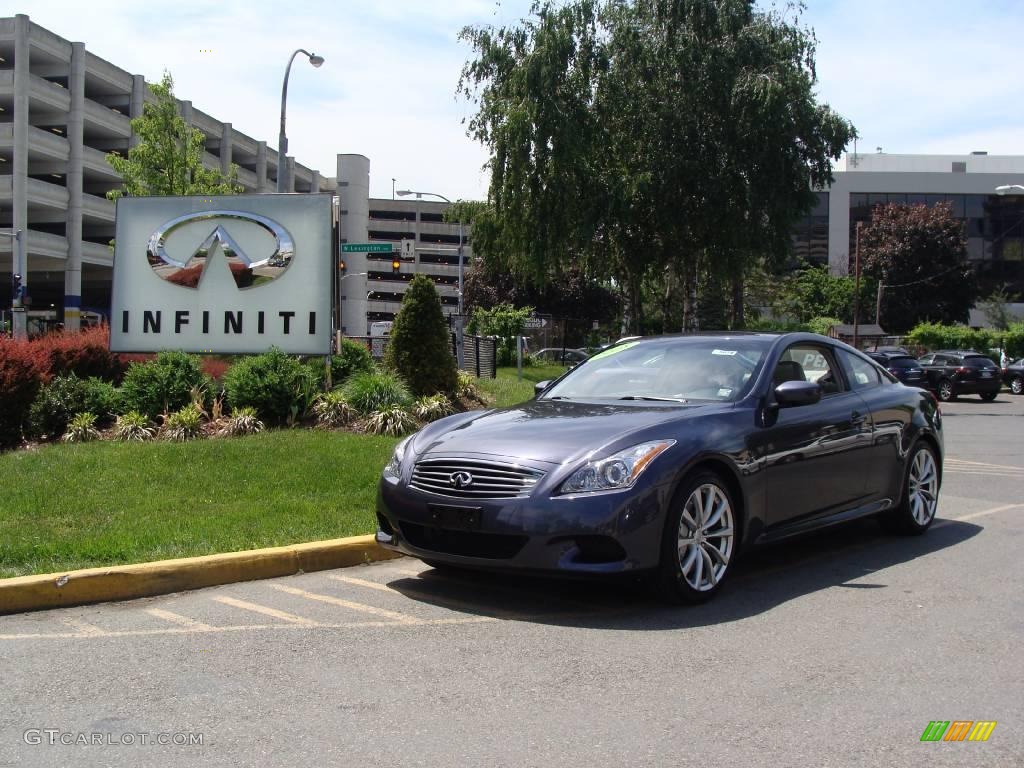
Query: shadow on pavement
(762, 580)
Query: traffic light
(396, 266)
(342, 267)
(16, 286)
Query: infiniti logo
(461, 480)
(246, 271)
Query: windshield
(669, 370)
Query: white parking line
(973, 515)
(176, 618)
(247, 606)
(401, 618)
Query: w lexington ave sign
(232, 275)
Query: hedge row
(935, 336)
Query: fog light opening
(384, 525)
(598, 549)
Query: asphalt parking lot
(836, 650)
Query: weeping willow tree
(645, 137)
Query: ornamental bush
(84, 353)
(351, 358)
(162, 385)
(419, 349)
(22, 374)
(370, 392)
(63, 398)
(279, 387)
(937, 336)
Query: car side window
(927, 359)
(805, 362)
(860, 373)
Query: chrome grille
(489, 480)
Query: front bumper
(598, 533)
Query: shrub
(391, 420)
(432, 407)
(369, 392)
(21, 375)
(938, 336)
(84, 353)
(279, 387)
(162, 385)
(243, 421)
(332, 410)
(185, 424)
(351, 358)
(1013, 340)
(419, 349)
(64, 397)
(82, 429)
(133, 427)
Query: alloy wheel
(923, 487)
(945, 391)
(705, 541)
(1017, 385)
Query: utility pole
(19, 269)
(856, 290)
(878, 305)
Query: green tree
(419, 349)
(506, 322)
(995, 310)
(168, 160)
(645, 137)
(814, 292)
(919, 254)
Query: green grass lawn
(77, 506)
(64, 507)
(508, 389)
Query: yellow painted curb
(125, 582)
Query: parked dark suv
(957, 372)
(902, 366)
(1013, 375)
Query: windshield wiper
(648, 397)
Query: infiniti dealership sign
(231, 274)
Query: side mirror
(539, 387)
(794, 393)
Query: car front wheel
(700, 538)
(916, 510)
(1017, 385)
(946, 391)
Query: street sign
(408, 249)
(366, 247)
(535, 322)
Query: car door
(812, 454)
(890, 418)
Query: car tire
(699, 543)
(916, 510)
(1017, 385)
(988, 397)
(945, 391)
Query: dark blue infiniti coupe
(668, 455)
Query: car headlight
(393, 469)
(620, 470)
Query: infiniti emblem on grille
(461, 480)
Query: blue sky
(915, 76)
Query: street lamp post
(19, 328)
(458, 324)
(282, 138)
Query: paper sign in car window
(726, 352)
(614, 350)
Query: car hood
(544, 430)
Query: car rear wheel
(946, 391)
(988, 397)
(1017, 385)
(916, 510)
(699, 543)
